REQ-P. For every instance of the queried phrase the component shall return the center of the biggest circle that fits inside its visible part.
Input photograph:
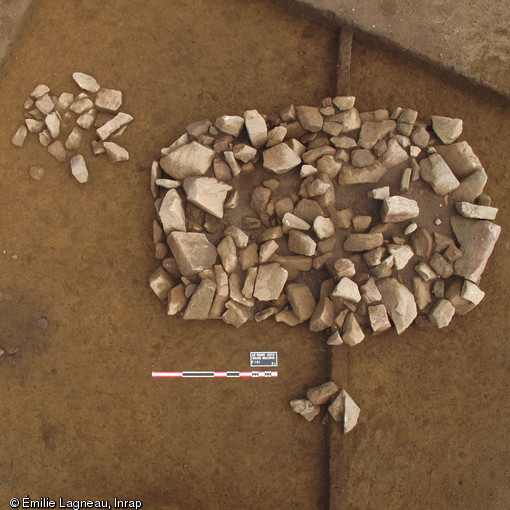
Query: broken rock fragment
(321, 394)
(396, 208)
(448, 130)
(171, 212)
(280, 158)
(161, 283)
(301, 299)
(256, 128)
(305, 408)
(201, 301)
(438, 174)
(270, 281)
(343, 408)
(108, 100)
(207, 193)
(79, 168)
(192, 251)
(86, 82)
(399, 302)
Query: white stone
(276, 136)
(270, 281)
(352, 334)
(230, 124)
(395, 209)
(20, 136)
(381, 193)
(471, 292)
(442, 313)
(108, 100)
(34, 125)
(74, 139)
(45, 138)
(39, 91)
(115, 152)
(86, 82)
(305, 408)
(45, 104)
(347, 289)
(207, 193)
(480, 212)
(402, 254)
(86, 120)
(161, 283)
(232, 163)
(108, 128)
(256, 128)
(344, 408)
(58, 151)
(378, 318)
(193, 252)
(171, 212)
(307, 170)
(244, 152)
(65, 100)
(280, 158)
(323, 227)
(448, 130)
(167, 183)
(79, 168)
(399, 302)
(81, 105)
(344, 102)
(291, 221)
(438, 174)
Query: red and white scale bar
(253, 374)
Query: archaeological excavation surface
(354, 222)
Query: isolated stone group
(52, 118)
(354, 222)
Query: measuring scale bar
(253, 374)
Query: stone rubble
(52, 118)
(321, 215)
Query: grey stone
(420, 137)
(323, 227)
(441, 266)
(271, 279)
(369, 292)
(52, 122)
(361, 158)
(79, 168)
(395, 209)
(361, 223)
(207, 193)
(438, 174)
(192, 251)
(344, 142)
(81, 105)
(448, 130)
(344, 267)
(312, 155)
(34, 126)
(405, 181)
(460, 158)
(232, 163)
(402, 254)
(39, 91)
(168, 183)
(344, 102)
(65, 100)
(86, 121)
(329, 165)
(321, 394)
(280, 159)
(192, 159)
(317, 188)
(425, 271)
(477, 239)
(276, 136)
(243, 152)
(384, 269)
(399, 303)
(422, 243)
(307, 170)
(267, 250)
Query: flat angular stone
(438, 174)
(280, 159)
(115, 152)
(395, 209)
(361, 223)
(402, 254)
(344, 102)
(335, 339)
(45, 104)
(161, 283)
(441, 266)
(108, 100)
(192, 251)
(372, 132)
(239, 236)
(171, 212)
(422, 243)
(329, 166)
(312, 155)
(192, 159)
(308, 210)
(230, 124)
(86, 82)
(81, 105)
(352, 334)
(39, 91)
(301, 243)
(374, 257)
(369, 292)
(349, 119)
(369, 174)
(65, 100)
(267, 250)
(384, 269)
(420, 137)
(394, 155)
(344, 267)
(442, 313)
(201, 301)
(421, 290)
(271, 279)
(292, 222)
(249, 257)
(249, 282)
(256, 128)
(155, 175)
(74, 139)
(347, 289)
(58, 151)
(361, 158)
(86, 121)
(317, 188)
(237, 314)
(287, 317)
(79, 168)
(323, 315)
(305, 408)
(207, 193)
(310, 118)
(168, 183)
(98, 148)
(176, 300)
(453, 294)
(471, 292)
(120, 120)
(477, 239)
(480, 212)
(20, 136)
(363, 242)
(321, 394)
(399, 302)
(244, 152)
(425, 271)
(447, 130)
(344, 409)
(460, 158)
(52, 122)
(471, 187)
(276, 136)
(228, 254)
(232, 163)
(378, 318)
(301, 300)
(34, 125)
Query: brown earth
(82, 417)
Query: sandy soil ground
(83, 419)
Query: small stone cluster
(341, 408)
(354, 222)
(52, 118)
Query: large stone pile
(354, 222)
(53, 119)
